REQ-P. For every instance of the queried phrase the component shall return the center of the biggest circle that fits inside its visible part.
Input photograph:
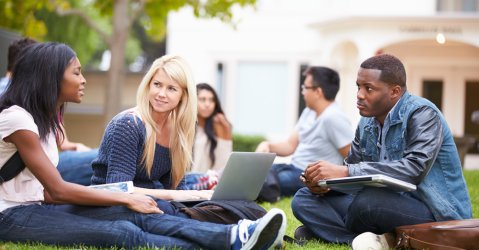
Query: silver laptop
(243, 176)
(358, 182)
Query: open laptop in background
(243, 176)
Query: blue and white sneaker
(261, 234)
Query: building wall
(262, 52)
(339, 34)
(84, 122)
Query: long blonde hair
(183, 117)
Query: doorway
(471, 105)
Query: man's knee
(299, 199)
(365, 204)
(369, 197)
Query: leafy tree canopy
(70, 21)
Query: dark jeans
(107, 227)
(75, 166)
(288, 177)
(339, 217)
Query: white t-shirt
(321, 137)
(24, 188)
(201, 153)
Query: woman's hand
(80, 147)
(191, 194)
(143, 204)
(167, 194)
(222, 127)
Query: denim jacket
(419, 149)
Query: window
(261, 98)
(432, 90)
(220, 86)
(457, 5)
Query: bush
(246, 143)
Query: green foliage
(39, 19)
(19, 16)
(72, 31)
(246, 143)
(472, 181)
(293, 223)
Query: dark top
(119, 156)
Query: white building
(256, 65)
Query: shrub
(246, 143)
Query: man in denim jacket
(399, 135)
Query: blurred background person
(322, 133)
(13, 50)
(213, 140)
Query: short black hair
(392, 69)
(325, 78)
(15, 48)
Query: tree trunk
(116, 74)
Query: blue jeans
(75, 166)
(339, 217)
(115, 226)
(288, 177)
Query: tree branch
(137, 12)
(88, 21)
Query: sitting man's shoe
(263, 233)
(371, 241)
(303, 233)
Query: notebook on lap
(376, 180)
(243, 176)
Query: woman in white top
(213, 140)
(46, 76)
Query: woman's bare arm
(59, 191)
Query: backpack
(222, 211)
(270, 192)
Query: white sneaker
(370, 241)
(261, 234)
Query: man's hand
(313, 186)
(321, 170)
(263, 147)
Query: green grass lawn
(472, 179)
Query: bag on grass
(270, 192)
(222, 211)
(444, 235)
